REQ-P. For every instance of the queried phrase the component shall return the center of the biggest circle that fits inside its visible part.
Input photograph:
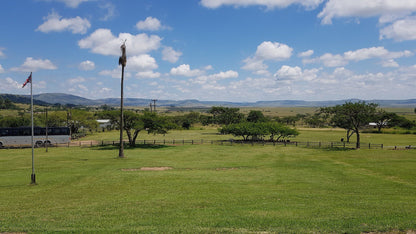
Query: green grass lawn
(210, 189)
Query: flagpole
(33, 176)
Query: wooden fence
(307, 144)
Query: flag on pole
(28, 80)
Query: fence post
(90, 143)
(369, 145)
(202, 141)
(344, 144)
(319, 144)
(68, 144)
(183, 142)
(296, 144)
(79, 143)
(381, 146)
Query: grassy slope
(211, 189)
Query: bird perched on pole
(123, 58)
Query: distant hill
(23, 99)
(61, 98)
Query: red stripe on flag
(28, 80)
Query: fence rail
(307, 144)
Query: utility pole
(122, 61)
(46, 129)
(154, 104)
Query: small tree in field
(352, 116)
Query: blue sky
(217, 50)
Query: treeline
(253, 126)
(6, 103)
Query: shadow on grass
(127, 147)
(337, 149)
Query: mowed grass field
(208, 189)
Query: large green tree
(134, 123)
(259, 130)
(352, 116)
(226, 115)
(256, 116)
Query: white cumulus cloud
(400, 30)
(307, 53)
(150, 23)
(115, 73)
(87, 65)
(148, 74)
(288, 72)
(32, 64)
(1, 69)
(185, 70)
(339, 60)
(55, 23)
(102, 41)
(270, 4)
(273, 51)
(8, 84)
(143, 62)
(266, 51)
(170, 55)
(366, 8)
(72, 3)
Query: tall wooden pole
(121, 149)
(122, 61)
(33, 176)
(46, 129)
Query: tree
(280, 131)
(134, 123)
(382, 119)
(226, 115)
(256, 117)
(157, 124)
(352, 116)
(7, 104)
(245, 130)
(259, 130)
(402, 122)
(78, 119)
(316, 120)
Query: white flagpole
(33, 176)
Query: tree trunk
(135, 134)
(349, 135)
(358, 140)
(129, 136)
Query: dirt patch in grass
(226, 168)
(148, 169)
(392, 232)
